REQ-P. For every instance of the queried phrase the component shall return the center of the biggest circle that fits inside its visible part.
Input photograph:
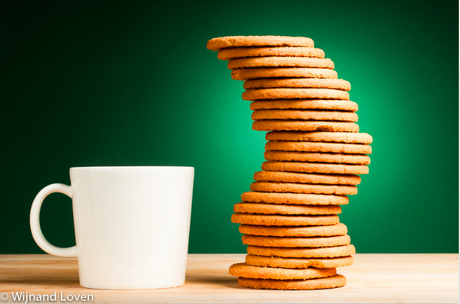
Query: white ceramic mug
(131, 225)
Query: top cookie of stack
(313, 156)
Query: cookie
(350, 138)
(290, 263)
(328, 252)
(219, 43)
(308, 231)
(284, 220)
(293, 198)
(323, 283)
(338, 84)
(275, 62)
(314, 168)
(305, 104)
(284, 209)
(303, 188)
(305, 178)
(244, 270)
(306, 146)
(318, 157)
(232, 53)
(304, 115)
(246, 74)
(310, 242)
(296, 93)
(302, 125)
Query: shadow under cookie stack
(313, 157)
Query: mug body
(132, 225)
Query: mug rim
(131, 167)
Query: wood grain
(374, 278)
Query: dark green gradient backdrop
(132, 83)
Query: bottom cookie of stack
(324, 283)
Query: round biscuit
(307, 146)
(284, 220)
(294, 93)
(290, 263)
(303, 188)
(308, 231)
(342, 137)
(307, 104)
(292, 242)
(314, 168)
(304, 115)
(265, 83)
(322, 283)
(244, 270)
(302, 125)
(246, 74)
(244, 52)
(275, 62)
(285, 209)
(305, 178)
(293, 198)
(328, 252)
(219, 43)
(317, 157)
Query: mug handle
(35, 221)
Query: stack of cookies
(313, 157)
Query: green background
(131, 83)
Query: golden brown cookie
(219, 43)
(308, 231)
(244, 270)
(265, 83)
(243, 52)
(293, 198)
(307, 146)
(305, 104)
(328, 252)
(314, 168)
(322, 283)
(305, 178)
(290, 263)
(284, 209)
(303, 188)
(304, 115)
(302, 125)
(297, 93)
(318, 157)
(284, 220)
(291, 242)
(350, 138)
(246, 74)
(276, 62)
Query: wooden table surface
(374, 278)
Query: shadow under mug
(131, 225)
